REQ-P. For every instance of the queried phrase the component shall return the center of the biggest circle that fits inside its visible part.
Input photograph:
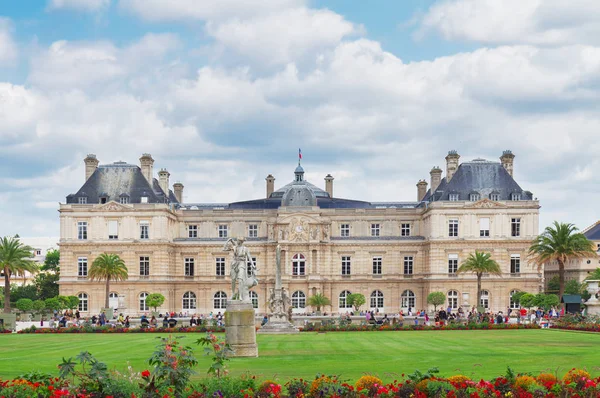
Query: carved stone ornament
(112, 206)
(299, 230)
(487, 204)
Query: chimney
(421, 190)
(270, 185)
(147, 164)
(178, 190)
(436, 178)
(329, 185)
(163, 181)
(91, 164)
(451, 164)
(507, 160)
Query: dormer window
(453, 197)
(124, 199)
(103, 198)
(495, 197)
(515, 196)
(474, 197)
(82, 200)
(144, 199)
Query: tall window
(188, 265)
(189, 301)
(82, 200)
(343, 299)
(82, 266)
(222, 231)
(346, 262)
(474, 197)
(485, 299)
(453, 227)
(515, 227)
(407, 299)
(143, 305)
(144, 266)
(377, 299)
(453, 299)
(484, 227)
(113, 229)
(298, 299)
(252, 231)
(298, 265)
(144, 230)
(375, 229)
(452, 263)
(408, 265)
(344, 229)
(453, 197)
(515, 263)
(511, 303)
(83, 302)
(377, 265)
(405, 229)
(254, 299)
(220, 300)
(192, 231)
(113, 300)
(82, 230)
(220, 266)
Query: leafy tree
(25, 304)
(15, 259)
(356, 300)
(73, 302)
(560, 243)
(155, 300)
(46, 284)
(435, 299)
(571, 287)
(64, 302)
(52, 261)
(318, 300)
(19, 292)
(553, 285)
(480, 263)
(550, 300)
(516, 297)
(53, 304)
(39, 306)
(527, 300)
(107, 267)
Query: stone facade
(393, 253)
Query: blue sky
(223, 92)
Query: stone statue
(243, 269)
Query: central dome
(299, 192)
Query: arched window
(220, 300)
(298, 299)
(143, 306)
(298, 265)
(485, 299)
(83, 302)
(377, 299)
(407, 299)
(512, 304)
(189, 301)
(113, 300)
(254, 298)
(343, 302)
(453, 299)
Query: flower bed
(582, 328)
(452, 326)
(108, 329)
(578, 322)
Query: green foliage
(516, 297)
(107, 267)
(19, 292)
(220, 353)
(527, 300)
(435, 299)
(65, 302)
(594, 276)
(155, 300)
(545, 301)
(356, 300)
(480, 263)
(418, 376)
(46, 284)
(25, 304)
(554, 285)
(231, 387)
(39, 306)
(53, 304)
(173, 365)
(91, 375)
(52, 261)
(318, 300)
(15, 259)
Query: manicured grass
(387, 354)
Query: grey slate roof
(120, 179)
(478, 176)
(593, 233)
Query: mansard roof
(482, 177)
(593, 232)
(119, 179)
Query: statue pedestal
(593, 304)
(240, 332)
(278, 324)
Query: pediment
(112, 206)
(486, 204)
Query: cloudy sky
(224, 92)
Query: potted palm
(318, 300)
(107, 267)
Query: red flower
(146, 373)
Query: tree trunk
(107, 292)
(561, 281)
(478, 290)
(6, 291)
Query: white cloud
(540, 22)
(79, 5)
(8, 48)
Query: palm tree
(479, 263)
(14, 260)
(107, 267)
(560, 243)
(318, 300)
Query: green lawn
(387, 354)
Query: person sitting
(172, 322)
(144, 322)
(63, 322)
(94, 319)
(166, 321)
(127, 321)
(153, 322)
(264, 321)
(193, 321)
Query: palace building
(395, 253)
